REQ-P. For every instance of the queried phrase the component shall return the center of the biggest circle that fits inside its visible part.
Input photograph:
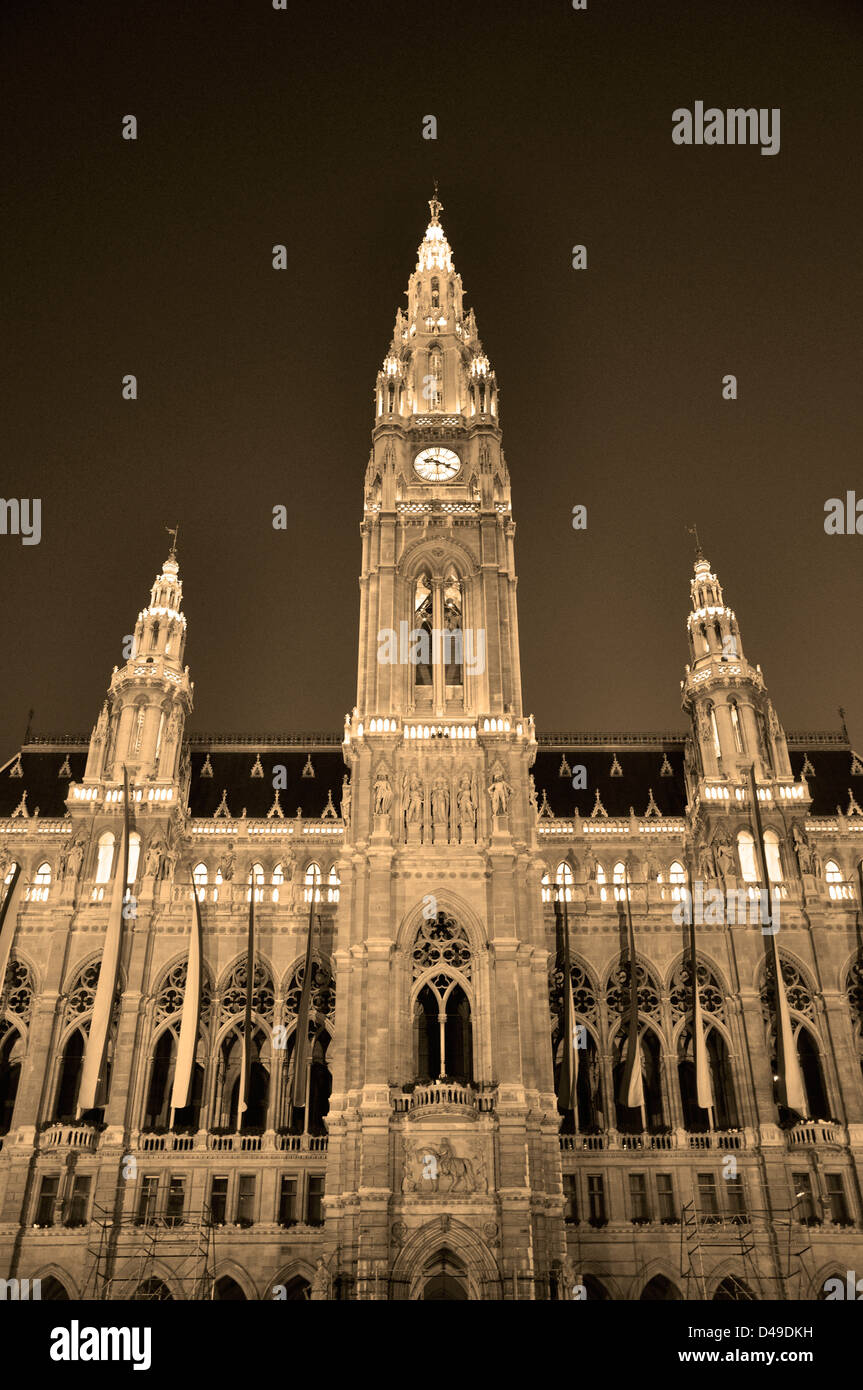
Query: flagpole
(703, 1078)
(635, 1040)
(242, 1097)
(573, 1045)
(301, 1032)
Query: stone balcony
(445, 1097)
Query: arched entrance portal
(445, 1279)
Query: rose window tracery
(797, 992)
(169, 1000)
(234, 993)
(18, 990)
(441, 942)
(323, 989)
(709, 992)
(617, 991)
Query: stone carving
(725, 857)
(706, 863)
(803, 850)
(226, 864)
(322, 1282)
(440, 804)
(346, 800)
(383, 792)
(76, 858)
(153, 860)
(432, 1168)
(531, 796)
(413, 797)
(499, 791)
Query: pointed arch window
(200, 876)
(453, 655)
(677, 878)
(443, 1032)
(833, 875)
(134, 857)
(333, 885)
(601, 880)
(421, 637)
(773, 857)
(736, 727)
(139, 728)
(434, 385)
(746, 855)
(277, 881)
(257, 872)
(619, 876)
(105, 857)
(312, 883)
(564, 880)
(714, 731)
(38, 891)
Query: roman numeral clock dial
(437, 465)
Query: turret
(142, 720)
(733, 720)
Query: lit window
(105, 857)
(771, 854)
(333, 885)
(676, 877)
(277, 881)
(600, 878)
(41, 883)
(619, 873)
(134, 856)
(545, 883)
(746, 852)
(200, 876)
(717, 747)
(258, 879)
(735, 725)
(312, 882)
(833, 874)
(564, 879)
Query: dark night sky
(258, 127)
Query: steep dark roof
(232, 772)
(640, 770)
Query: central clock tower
(443, 1147)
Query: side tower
(443, 1174)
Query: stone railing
(70, 1137)
(814, 1132)
(451, 1095)
(678, 1139)
(203, 1142)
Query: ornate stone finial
(693, 531)
(435, 206)
(173, 532)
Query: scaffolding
(698, 1233)
(149, 1258)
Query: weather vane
(173, 532)
(693, 531)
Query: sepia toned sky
(304, 127)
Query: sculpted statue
(346, 800)
(465, 801)
(531, 796)
(76, 858)
(226, 864)
(706, 864)
(773, 722)
(500, 791)
(433, 1166)
(414, 799)
(153, 859)
(383, 793)
(725, 858)
(440, 803)
(802, 850)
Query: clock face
(437, 465)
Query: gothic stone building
(435, 836)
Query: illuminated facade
(432, 838)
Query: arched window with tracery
(617, 997)
(17, 995)
(591, 1108)
(257, 876)
(168, 1008)
(39, 888)
(564, 881)
(854, 992)
(443, 1031)
(333, 885)
(677, 879)
(453, 655)
(423, 622)
(79, 1011)
(229, 1061)
(772, 856)
(434, 385)
(833, 875)
(321, 1014)
(199, 874)
(312, 879)
(697, 1119)
(801, 1005)
(619, 877)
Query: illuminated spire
(149, 696)
(436, 361)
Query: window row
(653, 1197)
(323, 884)
(163, 1199)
